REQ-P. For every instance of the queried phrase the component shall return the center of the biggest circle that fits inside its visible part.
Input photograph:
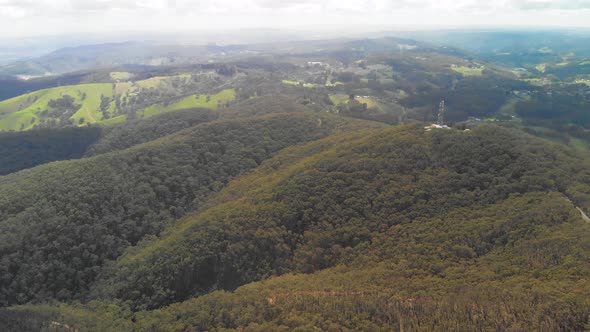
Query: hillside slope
(62, 221)
(104, 103)
(421, 276)
(379, 230)
(399, 222)
(26, 149)
(314, 208)
(86, 57)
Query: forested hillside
(315, 210)
(28, 149)
(382, 229)
(62, 221)
(22, 150)
(130, 133)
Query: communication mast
(440, 123)
(441, 113)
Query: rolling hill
(70, 59)
(382, 179)
(26, 149)
(220, 99)
(121, 197)
(14, 86)
(102, 103)
(24, 112)
(377, 229)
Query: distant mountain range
(513, 47)
(107, 55)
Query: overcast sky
(42, 17)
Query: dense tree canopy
(130, 133)
(59, 223)
(23, 150)
(390, 229)
(330, 203)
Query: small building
(436, 126)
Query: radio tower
(441, 113)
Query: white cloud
(27, 16)
(552, 4)
(279, 6)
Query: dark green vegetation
(24, 321)
(31, 148)
(314, 210)
(22, 150)
(62, 221)
(128, 134)
(384, 229)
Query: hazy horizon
(29, 18)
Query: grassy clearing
(155, 82)
(541, 67)
(90, 109)
(124, 87)
(534, 81)
(194, 101)
(298, 83)
(289, 82)
(386, 80)
(468, 71)
(24, 112)
(19, 103)
(121, 76)
(18, 120)
(334, 84)
(371, 103)
(115, 120)
(341, 99)
(18, 112)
